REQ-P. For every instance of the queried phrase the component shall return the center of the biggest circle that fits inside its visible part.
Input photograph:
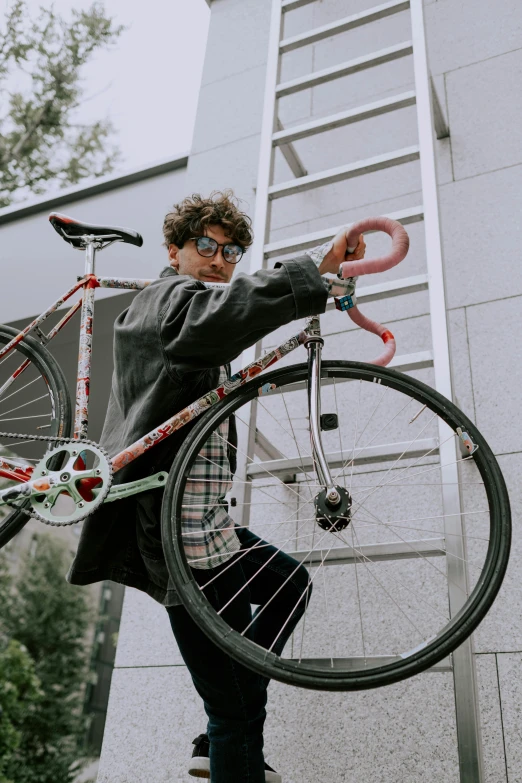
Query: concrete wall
(37, 268)
(29, 244)
(41, 266)
(406, 732)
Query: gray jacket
(168, 347)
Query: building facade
(408, 731)
(41, 267)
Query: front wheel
(415, 564)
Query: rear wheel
(34, 401)
(380, 610)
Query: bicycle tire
(61, 421)
(460, 626)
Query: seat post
(90, 254)
(81, 415)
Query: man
(173, 344)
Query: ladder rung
(404, 363)
(344, 69)
(262, 443)
(412, 361)
(344, 118)
(350, 170)
(343, 25)
(392, 550)
(374, 293)
(369, 661)
(292, 5)
(295, 244)
(366, 456)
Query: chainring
(71, 494)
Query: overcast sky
(149, 83)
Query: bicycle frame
(309, 336)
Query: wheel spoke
(24, 404)
(34, 396)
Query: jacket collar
(168, 271)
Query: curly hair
(191, 217)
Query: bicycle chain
(54, 439)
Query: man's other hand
(339, 253)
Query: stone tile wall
(405, 733)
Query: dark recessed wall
(64, 348)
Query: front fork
(314, 344)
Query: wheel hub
(331, 515)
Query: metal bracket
(119, 491)
(292, 158)
(441, 126)
(41, 336)
(467, 447)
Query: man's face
(187, 261)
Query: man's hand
(338, 253)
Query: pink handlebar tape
(400, 245)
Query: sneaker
(199, 766)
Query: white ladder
(429, 117)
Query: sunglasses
(208, 247)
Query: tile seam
(485, 60)
(500, 652)
(507, 454)
(153, 666)
(231, 75)
(395, 321)
(482, 174)
(390, 92)
(355, 329)
(359, 206)
(226, 144)
(485, 302)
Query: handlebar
(400, 245)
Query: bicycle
(327, 503)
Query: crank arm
(119, 491)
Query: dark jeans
(235, 697)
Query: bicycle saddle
(74, 231)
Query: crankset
(71, 493)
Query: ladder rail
(466, 694)
(429, 114)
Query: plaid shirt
(209, 538)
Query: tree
(20, 696)
(40, 88)
(50, 618)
